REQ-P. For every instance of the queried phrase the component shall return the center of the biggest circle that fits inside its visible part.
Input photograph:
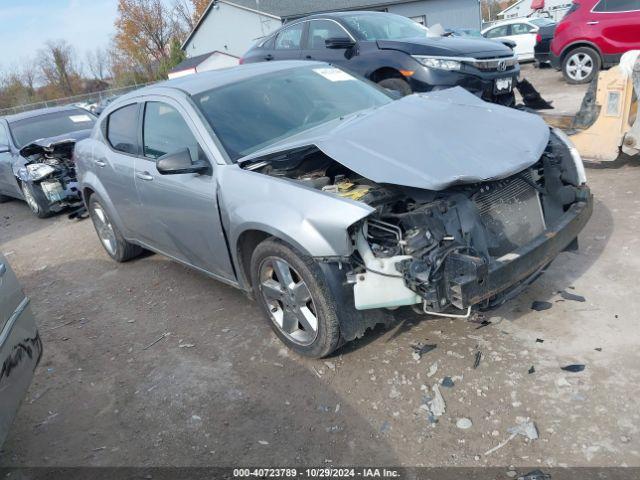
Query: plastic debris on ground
(539, 306)
(572, 296)
(575, 368)
(532, 370)
(525, 427)
(447, 382)
(420, 350)
(476, 361)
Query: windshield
(254, 113)
(28, 130)
(542, 22)
(384, 26)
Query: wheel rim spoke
(288, 300)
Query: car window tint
(290, 38)
(520, 28)
(122, 129)
(165, 131)
(320, 30)
(501, 31)
(617, 6)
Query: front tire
(110, 237)
(36, 199)
(397, 84)
(581, 65)
(295, 298)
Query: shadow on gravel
(151, 364)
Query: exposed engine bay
(51, 166)
(447, 250)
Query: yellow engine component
(350, 190)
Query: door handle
(309, 57)
(268, 57)
(593, 23)
(3, 270)
(100, 163)
(144, 176)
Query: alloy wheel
(579, 66)
(288, 300)
(104, 228)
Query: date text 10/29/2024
(322, 472)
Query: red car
(594, 34)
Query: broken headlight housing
(441, 63)
(575, 155)
(38, 171)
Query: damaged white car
(329, 201)
(36, 163)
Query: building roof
(285, 9)
(193, 62)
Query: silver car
(20, 346)
(329, 201)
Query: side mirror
(179, 162)
(4, 148)
(339, 42)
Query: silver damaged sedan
(330, 202)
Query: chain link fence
(85, 100)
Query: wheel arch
(383, 73)
(577, 44)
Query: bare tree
(99, 63)
(57, 64)
(188, 12)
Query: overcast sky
(25, 25)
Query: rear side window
(165, 131)
(501, 31)
(520, 28)
(122, 129)
(617, 6)
(290, 38)
(4, 138)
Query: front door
(525, 38)
(315, 48)
(289, 42)
(179, 213)
(617, 23)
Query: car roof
(38, 112)
(203, 81)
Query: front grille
(511, 213)
(492, 64)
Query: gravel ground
(219, 389)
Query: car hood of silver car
(429, 141)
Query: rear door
(115, 162)
(525, 38)
(179, 213)
(315, 48)
(617, 24)
(288, 43)
(8, 185)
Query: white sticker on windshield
(79, 118)
(333, 74)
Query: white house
(232, 26)
(201, 63)
(554, 9)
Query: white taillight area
(577, 159)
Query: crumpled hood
(51, 144)
(430, 141)
(448, 47)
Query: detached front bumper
(470, 281)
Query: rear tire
(398, 84)
(110, 237)
(295, 299)
(581, 65)
(36, 199)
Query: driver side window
(165, 131)
(520, 28)
(290, 38)
(501, 31)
